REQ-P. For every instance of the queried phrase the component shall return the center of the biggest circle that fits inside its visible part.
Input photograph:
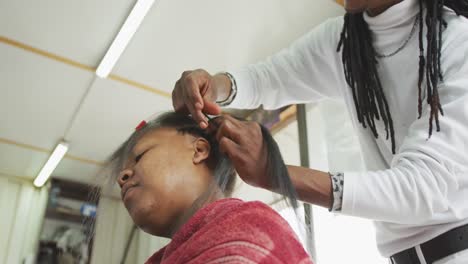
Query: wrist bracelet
(232, 94)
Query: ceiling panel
(20, 161)
(80, 30)
(26, 163)
(77, 171)
(38, 96)
(109, 115)
(178, 35)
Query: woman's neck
(206, 198)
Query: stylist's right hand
(242, 142)
(196, 93)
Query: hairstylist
(402, 69)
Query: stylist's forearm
(312, 186)
(223, 86)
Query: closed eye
(137, 158)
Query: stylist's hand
(196, 92)
(242, 142)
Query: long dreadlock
(360, 65)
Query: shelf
(75, 190)
(53, 213)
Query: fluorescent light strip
(51, 164)
(127, 31)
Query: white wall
(22, 208)
(113, 226)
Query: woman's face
(373, 7)
(165, 173)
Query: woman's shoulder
(254, 227)
(258, 223)
(237, 208)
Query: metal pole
(304, 153)
(127, 246)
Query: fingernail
(202, 124)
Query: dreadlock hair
(360, 65)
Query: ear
(201, 150)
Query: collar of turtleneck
(396, 16)
(391, 28)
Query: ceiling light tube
(51, 164)
(126, 33)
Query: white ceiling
(40, 91)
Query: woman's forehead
(146, 141)
(160, 136)
(155, 135)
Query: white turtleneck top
(420, 192)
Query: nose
(124, 176)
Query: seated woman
(175, 183)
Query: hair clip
(141, 125)
(211, 120)
(208, 117)
(145, 121)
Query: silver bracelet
(232, 94)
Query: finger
(230, 148)
(211, 108)
(233, 120)
(191, 109)
(194, 90)
(220, 120)
(203, 123)
(177, 100)
(195, 112)
(243, 131)
(221, 128)
(227, 129)
(234, 128)
(204, 87)
(212, 128)
(194, 103)
(198, 116)
(209, 105)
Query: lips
(126, 188)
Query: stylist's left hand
(242, 142)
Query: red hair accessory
(141, 125)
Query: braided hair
(360, 66)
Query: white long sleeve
(298, 74)
(420, 192)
